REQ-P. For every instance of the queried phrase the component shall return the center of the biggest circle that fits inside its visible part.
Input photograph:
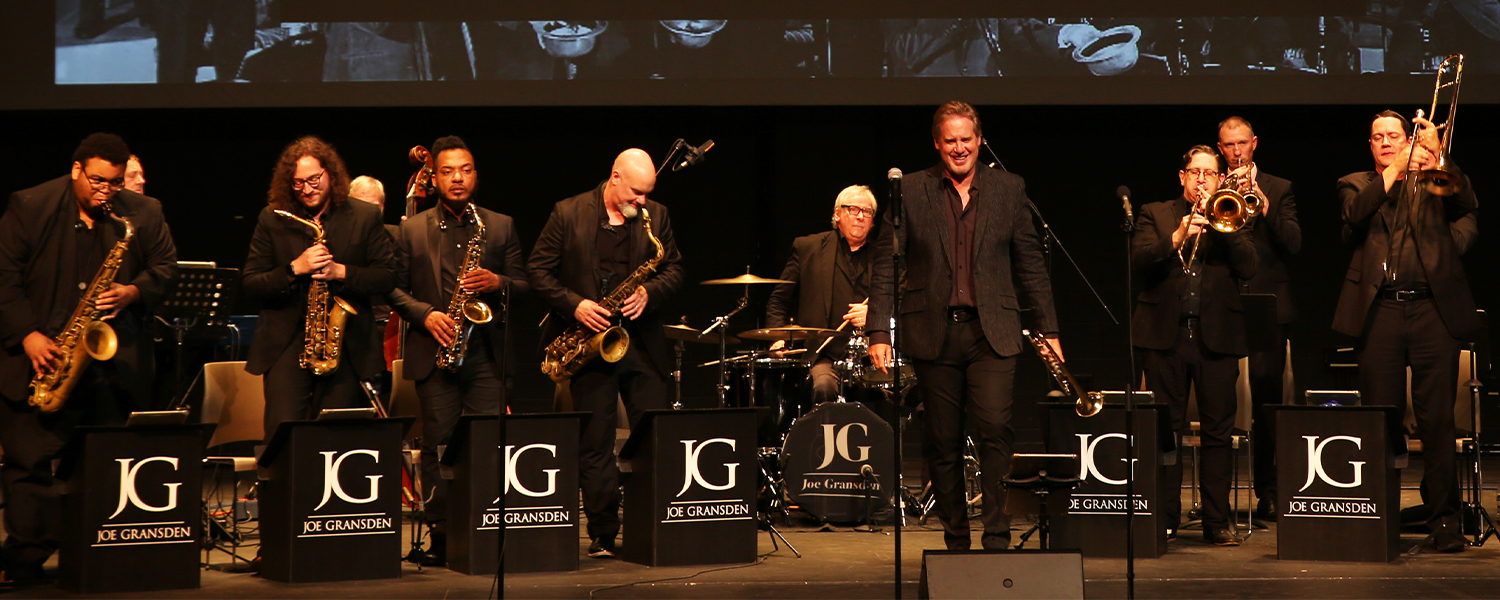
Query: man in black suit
(970, 246)
(53, 240)
(433, 247)
(1407, 299)
(591, 244)
(1277, 237)
(356, 262)
(832, 271)
(1189, 323)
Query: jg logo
(332, 486)
(513, 456)
(838, 442)
(128, 493)
(1087, 447)
(691, 473)
(1315, 462)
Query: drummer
(830, 272)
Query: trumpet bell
(100, 341)
(477, 312)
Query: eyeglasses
(1395, 138)
(1201, 173)
(313, 181)
(101, 184)
(857, 211)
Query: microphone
(894, 175)
(1124, 194)
(867, 471)
(694, 155)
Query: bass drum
(823, 458)
(781, 389)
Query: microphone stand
(677, 145)
(1047, 234)
(504, 404)
(897, 272)
(1129, 228)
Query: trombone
(1441, 178)
(1228, 210)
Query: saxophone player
(434, 249)
(311, 186)
(592, 243)
(54, 240)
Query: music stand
(201, 296)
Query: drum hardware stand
(721, 323)
(766, 519)
(677, 350)
(1475, 488)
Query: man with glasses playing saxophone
(1189, 323)
(312, 241)
(456, 263)
(55, 239)
(1407, 300)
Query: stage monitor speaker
(1001, 574)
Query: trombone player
(430, 263)
(1407, 299)
(1189, 324)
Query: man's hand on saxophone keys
(116, 298)
(592, 315)
(635, 304)
(441, 326)
(42, 352)
(482, 281)
(314, 258)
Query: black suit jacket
(38, 279)
(1158, 311)
(564, 263)
(810, 300)
(358, 240)
(1448, 229)
(1277, 237)
(419, 288)
(1009, 271)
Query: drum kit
(833, 460)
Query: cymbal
(688, 334)
(743, 280)
(789, 334)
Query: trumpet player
(1188, 323)
(438, 283)
(285, 266)
(54, 240)
(1407, 299)
(1277, 237)
(593, 244)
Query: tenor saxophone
(323, 331)
(579, 345)
(464, 306)
(86, 337)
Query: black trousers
(1213, 375)
(1401, 334)
(181, 26)
(825, 381)
(294, 393)
(475, 389)
(1266, 380)
(32, 439)
(968, 379)
(595, 390)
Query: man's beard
(629, 210)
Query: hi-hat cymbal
(789, 334)
(688, 334)
(743, 280)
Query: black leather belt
(1405, 295)
(962, 314)
(1190, 322)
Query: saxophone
(578, 345)
(85, 338)
(464, 306)
(1087, 404)
(323, 331)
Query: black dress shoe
(437, 552)
(1448, 540)
(602, 548)
(1265, 509)
(1171, 533)
(1220, 536)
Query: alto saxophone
(1086, 403)
(578, 345)
(323, 331)
(86, 338)
(464, 306)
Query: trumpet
(1441, 178)
(1228, 210)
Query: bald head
(632, 177)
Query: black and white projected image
(181, 41)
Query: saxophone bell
(477, 312)
(100, 341)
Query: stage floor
(849, 564)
